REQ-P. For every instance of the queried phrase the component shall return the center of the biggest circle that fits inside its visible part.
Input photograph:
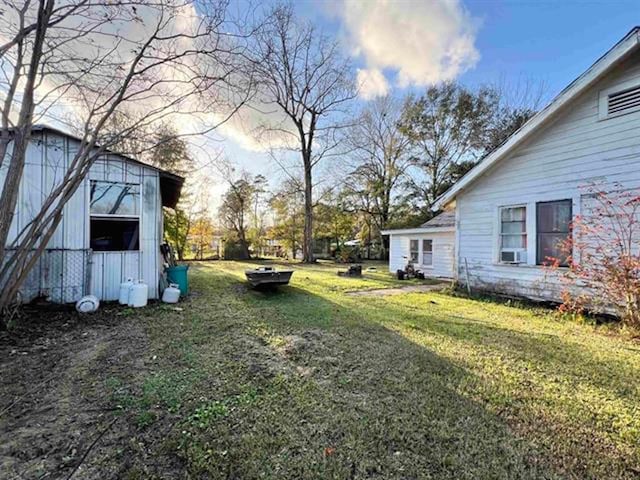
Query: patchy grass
(308, 382)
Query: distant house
(429, 247)
(517, 204)
(111, 227)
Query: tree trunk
(307, 242)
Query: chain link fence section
(60, 275)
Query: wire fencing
(60, 275)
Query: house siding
(68, 270)
(443, 252)
(575, 149)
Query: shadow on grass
(386, 364)
(359, 400)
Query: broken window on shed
(115, 216)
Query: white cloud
(372, 83)
(426, 42)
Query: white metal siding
(60, 274)
(576, 149)
(443, 252)
(112, 268)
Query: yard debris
(353, 271)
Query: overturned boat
(268, 277)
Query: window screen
(109, 198)
(413, 251)
(427, 252)
(553, 228)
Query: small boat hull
(268, 277)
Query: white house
(430, 247)
(111, 228)
(514, 206)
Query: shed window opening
(414, 252)
(553, 231)
(513, 234)
(110, 198)
(115, 216)
(427, 252)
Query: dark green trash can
(179, 276)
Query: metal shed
(111, 228)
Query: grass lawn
(311, 382)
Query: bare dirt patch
(57, 417)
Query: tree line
(397, 157)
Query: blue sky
(551, 41)
(543, 41)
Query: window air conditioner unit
(513, 256)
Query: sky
(401, 46)
(404, 46)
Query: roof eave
(407, 231)
(617, 53)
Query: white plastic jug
(171, 294)
(138, 294)
(88, 304)
(123, 297)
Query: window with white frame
(414, 251)
(115, 216)
(427, 252)
(513, 234)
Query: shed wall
(67, 270)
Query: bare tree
(237, 207)
(304, 74)
(80, 62)
(380, 153)
(288, 217)
(518, 101)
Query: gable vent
(624, 101)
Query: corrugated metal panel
(149, 235)
(54, 169)
(110, 269)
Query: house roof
(445, 222)
(170, 183)
(445, 219)
(601, 67)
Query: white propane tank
(138, 294)
(123, 298)
(88, 304)
(171, 294)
